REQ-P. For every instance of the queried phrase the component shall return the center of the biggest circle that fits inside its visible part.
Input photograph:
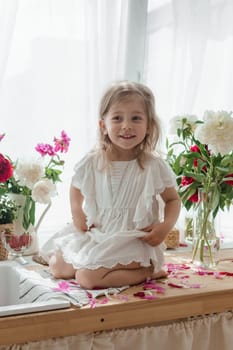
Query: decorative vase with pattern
(23, 241)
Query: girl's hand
(80, 223)
(156, 234)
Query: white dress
(119, 201)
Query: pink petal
(74, 282)
(63, 286)
(173, 267)
(184, 277)
(89, 294)
(174, 285)
(92, 303)
(218, 275)
(155, 286)
(139, 294)
(226, 273)
(104, 301)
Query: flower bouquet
(23, 183)
(201, 155)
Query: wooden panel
(51, 324)
(215, 295)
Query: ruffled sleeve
(158, 177)
(84, 180)
(162, 174)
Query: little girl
(117, 234)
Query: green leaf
(187, 191)
(224, 170)
(198, 177)
(28, 212)
(215, 201)
(32, 212)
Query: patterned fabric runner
(37, 286)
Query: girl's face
(126, 126)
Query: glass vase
(16, 244)
(188, 226)
(206, 243)
(30, 236)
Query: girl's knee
(59, 268)
(54, 266)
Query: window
(56, 58)
(188, 62)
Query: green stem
(42, 216)
(202, 240)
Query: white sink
(9, 294)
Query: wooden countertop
(214, 295)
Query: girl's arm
(76, 201)
(158, 232)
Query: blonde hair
(123, 90)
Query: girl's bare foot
(159, 274)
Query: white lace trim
(112, 264)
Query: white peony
(28, 172)
(216, 131)
(177, 122)
(43, 190)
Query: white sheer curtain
(56, 58)
(189, 60)
(189, 55)
(7, 22)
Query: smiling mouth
(127, 137)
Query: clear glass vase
(206, 243)
(188, 226)
(16, 244)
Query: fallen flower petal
(174, 285)
(92, 303)
(63, 286)
(89, 294)
(174, 267)
(74, 282)
(226, 273)
(139, 294)
(104, 301)
(124, 297)
(219, 276)
(204, 272)
(155, 286)
(146, 296)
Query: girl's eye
(136, 118)
(116, 118)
